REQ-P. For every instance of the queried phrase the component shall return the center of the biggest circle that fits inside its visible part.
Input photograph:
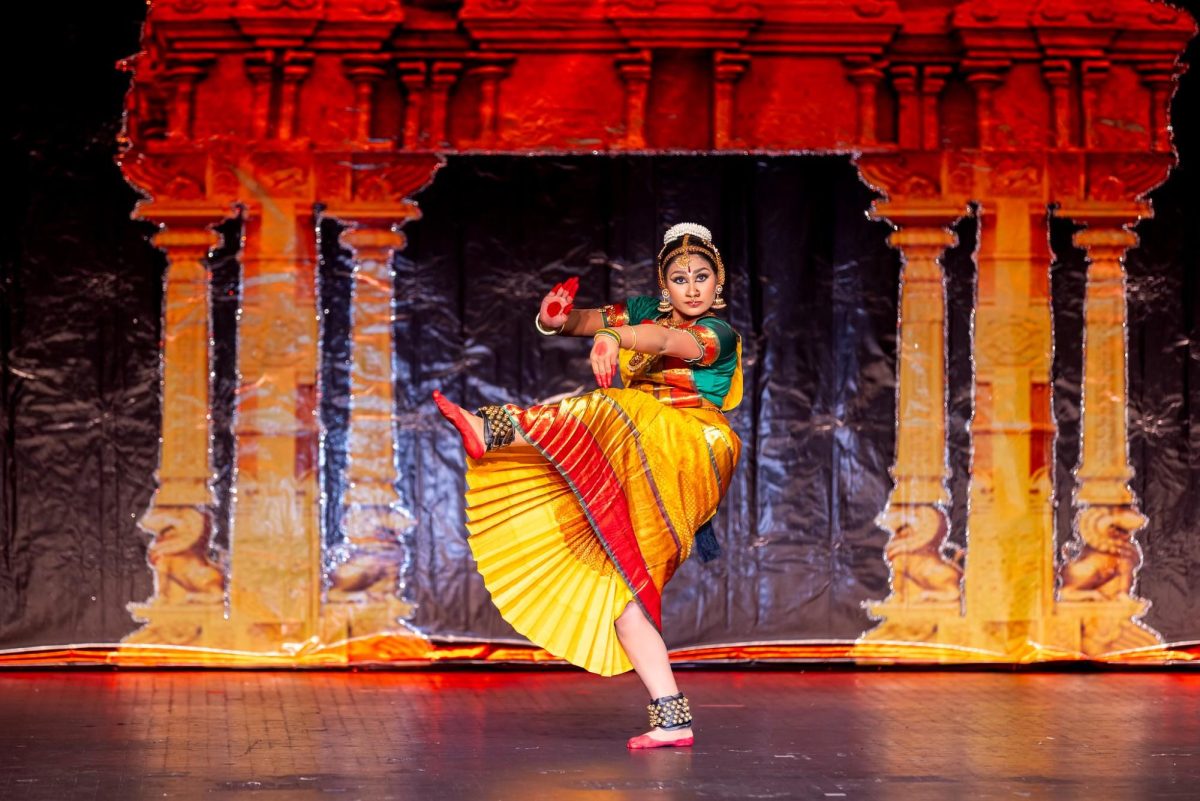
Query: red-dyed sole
(646, 741)
(471, 441)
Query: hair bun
(694, 229)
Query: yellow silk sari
(599, 510)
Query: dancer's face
(692, 284)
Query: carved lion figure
(179, 556)
(1101, 563)
(920, 572)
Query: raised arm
(559, 315)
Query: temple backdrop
(222, 451)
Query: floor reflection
(559, 734)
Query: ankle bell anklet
(497, 427)
(670, 712)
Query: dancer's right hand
(604, 356)
(558, 303)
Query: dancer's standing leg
(646, 650)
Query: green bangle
(610, 333)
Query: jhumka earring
(719, 302)
(664, 305)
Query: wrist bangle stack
(546, 332)
(608, 332)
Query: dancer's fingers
(569, 307)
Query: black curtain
(812, 288)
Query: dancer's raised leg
(648, 653)
(470, 427)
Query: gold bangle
(546, 332)
(633, 333)
(609, 332)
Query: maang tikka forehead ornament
(692, 238)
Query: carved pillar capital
(414, 77)
(365, 71)
(297, 64)
(187, 241)
(1093, 75)
(373, 240)
(443, 76)
(905, 82)
(1058, 72)
(983, 76)
(634, 69)
(1159, 78)
(1106, 243)
(922, 240)
(865, 72)
(184, 71)
(260, 69)
(490, 69)
(933, 81)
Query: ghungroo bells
(497, 427)
(670, 712)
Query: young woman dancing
(579, 512)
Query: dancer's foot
(470, 427)
(660, 738)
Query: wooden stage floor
(559, 734)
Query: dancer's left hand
(604, 361)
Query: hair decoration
(679, 229)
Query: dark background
(813, 290)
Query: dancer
(579, 512)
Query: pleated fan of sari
(545, 568)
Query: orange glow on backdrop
(1013, 106)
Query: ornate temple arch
(353, 104)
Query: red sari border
(573, 450)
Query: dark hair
(689, 243)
